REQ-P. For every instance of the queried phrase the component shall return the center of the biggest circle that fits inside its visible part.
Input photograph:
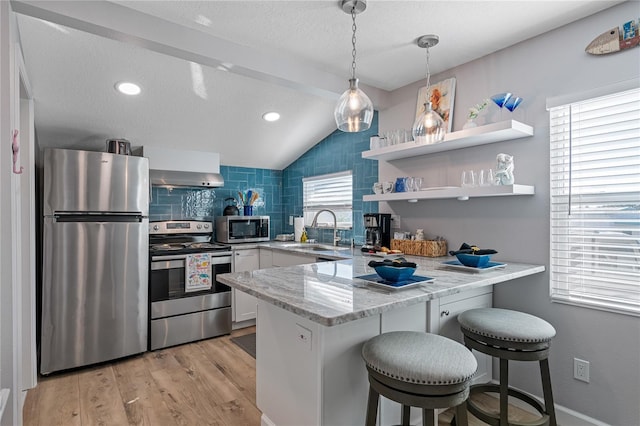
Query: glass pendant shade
(354, 111)
(428, 127)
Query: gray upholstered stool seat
(420, 370)
(510, 335)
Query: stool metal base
(518, 352)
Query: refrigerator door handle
(98, 217)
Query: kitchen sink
(315, 247)
(328, 248)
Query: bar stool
(418, 370)
(510, 335)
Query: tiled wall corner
(339, 151)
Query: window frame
(609, 229)
(342, 206)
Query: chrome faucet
(314, 224)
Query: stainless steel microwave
(242, 229)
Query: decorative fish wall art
(615, 40)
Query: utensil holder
(248, 210)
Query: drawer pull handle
(444, 313)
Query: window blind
(595, 202)
(332, 192)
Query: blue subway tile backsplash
(280, 190)
(338, 152)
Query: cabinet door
(449, 327)
(289, 259)
(244, 305)
(266, 258)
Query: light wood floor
(211, 382)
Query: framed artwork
(442, 95)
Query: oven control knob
(206, 226)
(156, 227)
(198, 226)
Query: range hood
(177, 167)
(185, 178)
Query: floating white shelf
(481, 135)
(461, 193)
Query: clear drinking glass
(417, 183)
(486, 177)
(468, 178)
(409, 184)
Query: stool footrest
(493, 419)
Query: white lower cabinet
(281, 258)
(311, 374)
(244, 305)
(266, 258)
(443, 320)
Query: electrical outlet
(395, 221)
(581, 370)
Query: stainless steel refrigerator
(95, 258)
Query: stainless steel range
(186, 301)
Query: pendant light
(429, 126)
(354, 111)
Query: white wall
(550, 65)
(17, 225)
(7, 377)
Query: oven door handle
(178, 261)
(157, 265)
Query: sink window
(328, 192)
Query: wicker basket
(427, 248)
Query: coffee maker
(377, 231)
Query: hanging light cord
(428, 72)
(353, 43)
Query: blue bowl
(394, 273)
(474, 260)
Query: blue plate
(489, 266)
(409, 282)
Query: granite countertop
(311, 249)
(331, 293)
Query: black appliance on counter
(377, 231)
(186, 301)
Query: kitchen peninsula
(313, 319)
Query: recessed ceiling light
(128, 88)
(271, 116)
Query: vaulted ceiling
(210, 69)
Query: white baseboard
(567, 417)
(4, 397)
(564, 416)
(243, 324)
(265, 421)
